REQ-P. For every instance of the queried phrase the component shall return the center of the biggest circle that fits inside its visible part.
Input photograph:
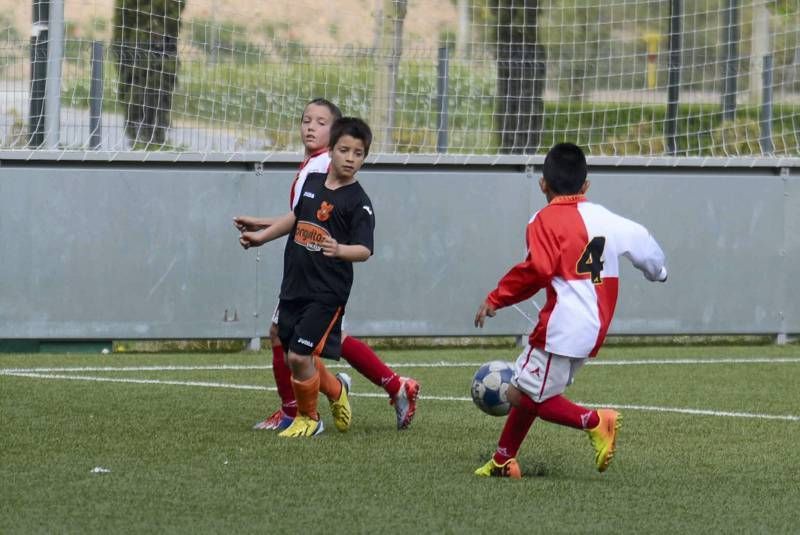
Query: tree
(519, 107)
(145, 45)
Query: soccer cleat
(405, 402)
(604, 437)
(508, 469)
(340, 408)
(278, 421)
(303, 426)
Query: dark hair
(353, 127)
(565, 169)
(335, 111)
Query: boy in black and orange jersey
(331, 227)
(315, 126)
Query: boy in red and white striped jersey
(573, 254)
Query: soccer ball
(490, 387)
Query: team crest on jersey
(324, 211)
(310, 235)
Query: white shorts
(277, 313)
(542, 375)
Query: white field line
(244, 367)
(700, 412)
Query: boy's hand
(249, 239)
(486, 309)
(330, 247)
(246, 223)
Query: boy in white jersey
(573, 254)
(315, 125)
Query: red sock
(560, 410)
(367, 363)
(515, 430)
(283, 378)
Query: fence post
(441, 97)
(39, 38)
(767, 147)
(673, 89)
(55, 53)
(730, 65)
(96, 97)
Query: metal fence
(696, 79)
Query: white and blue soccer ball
(490, 387)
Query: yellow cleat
(303, 426)
(508, 469)
(340, 408)
(604, 437)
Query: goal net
(226, 78)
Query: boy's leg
(367, 363)
(560, 410)
(328, 383)
(336, 389)
(311, 329)
(543, 378)
(403, 391)
(601, 425)
(504, 463)
(282, 418)
(305, 382)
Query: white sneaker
(405, 402)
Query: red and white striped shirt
(573, 253)
(314, 163)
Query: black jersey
(345, 214)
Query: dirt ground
(310, 22)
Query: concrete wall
(127, 250)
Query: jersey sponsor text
(310, 235)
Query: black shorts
(311, 328)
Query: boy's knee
(273, 335)
(514, 395)
(294, 360)
(302, 366)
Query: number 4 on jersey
(591, 260)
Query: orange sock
(306, 392)
(328, 383)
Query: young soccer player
(331, 227)
(315, 125)
(573, 253)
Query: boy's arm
(519, 284)
(250, 223)
(524, 279)
(348, 253)
(644, 253)
(280, 227)
(362, 227)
